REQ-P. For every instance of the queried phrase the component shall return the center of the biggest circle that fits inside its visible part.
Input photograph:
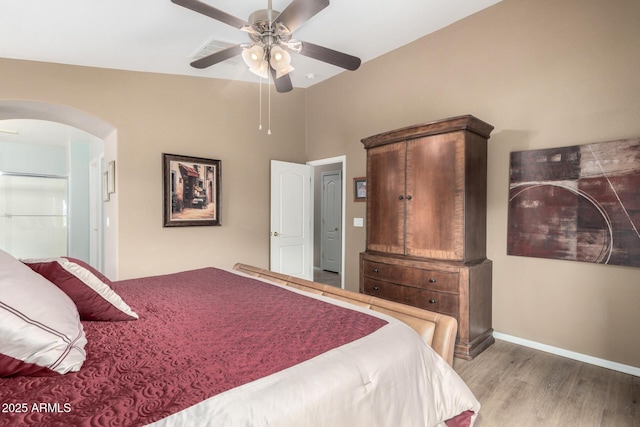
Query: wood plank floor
(523, 387)
(326, 277)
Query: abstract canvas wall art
(579, 203)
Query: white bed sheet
(388, 378)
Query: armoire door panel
(435, 185)
(385, 198)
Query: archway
(39, 110)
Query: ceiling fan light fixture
(294, 45)
(280, 61)
(261, 70)
(248, 29)
(253, 57)
(283, 71)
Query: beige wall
(155, 114)
(545, 73)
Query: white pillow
(40, 329)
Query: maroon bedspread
(200, 333)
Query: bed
(215, 347)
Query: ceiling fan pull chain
(269, 88)
(260, 105)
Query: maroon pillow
(94, 298)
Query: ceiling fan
(270, 33)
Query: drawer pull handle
(375, 288)
(375, 270)
(432, 301)
(432, 280)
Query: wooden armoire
(426, 224)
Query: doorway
(47, 188)
(83, 138)
(329, 215)
(331, 221)
(295, 232)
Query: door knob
(275, 233)
(335, 229)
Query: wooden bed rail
(437, 330)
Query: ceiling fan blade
(212, 12)
(216, 57)
(283, 84)
(330, 56)
(300, 11)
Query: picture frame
(191, 191)
(360, 189)
(111, 177)
(105, 186)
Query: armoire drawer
(440, 302)
(414, 277)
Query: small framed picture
(360, 189)
(105, 186)
(111, 183)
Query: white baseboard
(631, 370)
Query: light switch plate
(358, 222)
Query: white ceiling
(159, 36)
(41, 132)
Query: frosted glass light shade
(254, 58)
(280, 61)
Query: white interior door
(292, 219)
(95, 213)
(331, 243)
